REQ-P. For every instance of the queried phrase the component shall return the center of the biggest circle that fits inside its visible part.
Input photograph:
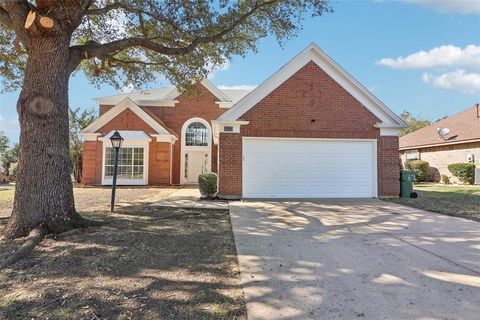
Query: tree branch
(5, 18)
(106, 9)
(93, 49)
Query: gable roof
(313, 53)
(464, 127)
(166, 96)
(127, 103)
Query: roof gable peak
(313, 53)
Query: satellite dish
(443, 133)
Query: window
(411, 154)
(130, 163)
(196, 135)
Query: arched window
(196, 134)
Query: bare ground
(141, 263)
(97, 199)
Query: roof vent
(443, 133)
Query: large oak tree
(119, 42)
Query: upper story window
(196, 134)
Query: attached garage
(309, 168)
(309, 131)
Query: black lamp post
(116, 140)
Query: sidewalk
(189, 197)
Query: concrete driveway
(351, 259)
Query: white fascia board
(119, 108)
(156, 103)
(165, 138)
(90, 136)
(215, 91)
(217, 127)
(389, 132)
(224, 104)
(338, 74)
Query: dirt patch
(97, 199)
(142, 263)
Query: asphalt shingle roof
(464, 127)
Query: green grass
(459, 201)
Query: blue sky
(379, 42)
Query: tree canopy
(122, 43)
(131, 42)
(413, 123)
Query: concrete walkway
(350, 259)
(189, 197)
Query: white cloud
(443, 56)
(460, 80)
(450, 6)
(128, 88)
(238, 87)
(373, 88)
(218, 68)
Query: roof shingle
(464, 127)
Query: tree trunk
(77, 162)
(43, 193)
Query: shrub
(207, 183)
(421, 169)
(445, 179)
(465, 172)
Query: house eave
(441, 144)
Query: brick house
(461, 145)
(310, 130)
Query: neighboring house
(310, 130)
(461, 144)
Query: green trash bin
(406, 183)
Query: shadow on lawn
(142, 263)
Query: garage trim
(374, 156)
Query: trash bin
(406, 183)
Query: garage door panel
(295, 168)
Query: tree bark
(44, 193)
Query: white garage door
(309, 168)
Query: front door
(195, 163)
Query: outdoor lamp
(116, 140)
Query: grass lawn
(458, 201)
(141, 263)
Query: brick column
(230, 165)
(388, 166)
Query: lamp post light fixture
(116, 140)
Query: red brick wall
(310, 104)
(388, 164)
(230, 165)
(159, 162)
(92, 167)
(159, 153)
(126, 120)
(200, 104)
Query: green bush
(207, 183)
(421, 169)
(445, 179)
(465, 172)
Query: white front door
(195, 163)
